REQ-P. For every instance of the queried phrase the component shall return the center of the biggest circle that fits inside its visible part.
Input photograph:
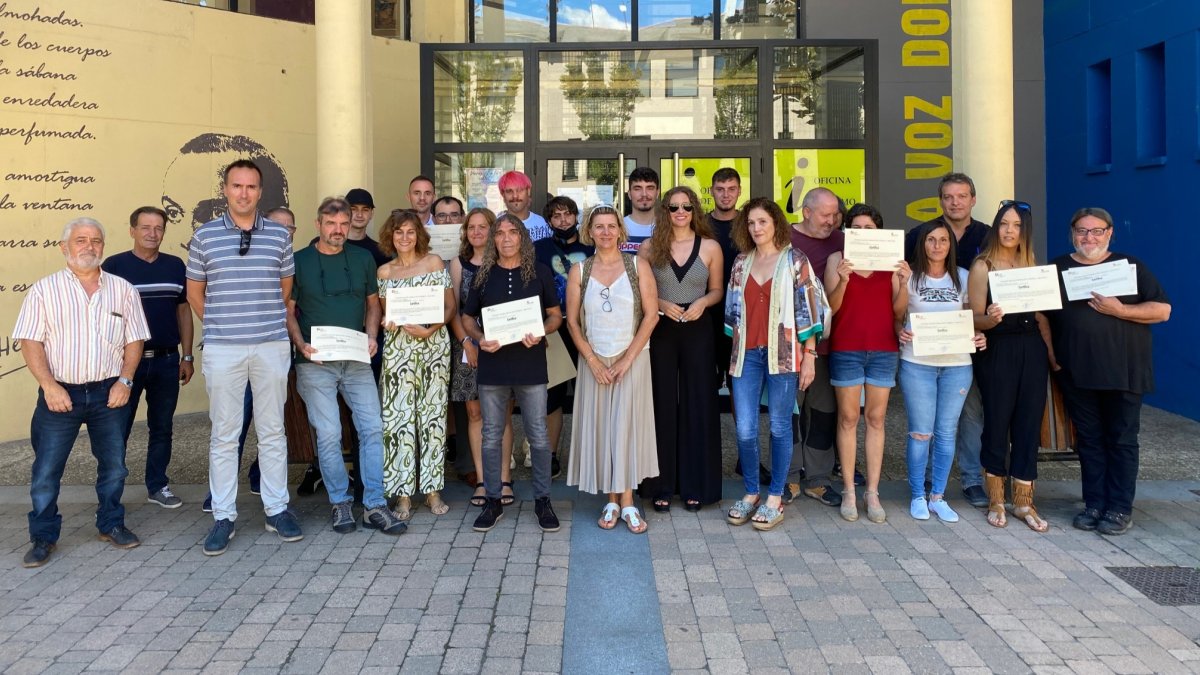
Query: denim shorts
(851, 369)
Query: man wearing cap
(362, 208)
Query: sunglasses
(675, 207)
(245, 243)
(606, 296)
(1020, 206)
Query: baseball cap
(360, 197)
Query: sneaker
(255, 485)
(975, 496)
(285, 525)
(38, 554)
(166, 499)
(555, 466)
(1114, 523)
(207, 505)
(384, 520)
(824, 494)
(545, 515)
(790, 490)
(528, 454)
(121, 537)
(218, 537)
(1087, 520)
(311, 481)
(919, 508)
(343, 517)
(943, 511)
(491, 513)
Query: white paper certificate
(874, 249)
(1113, 279)
(338, 344)
(1028, 289)
(415, 305)
(444, 240)
(938, 333)
(510, 322)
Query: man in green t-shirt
(335, 287)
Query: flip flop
(608, 517)
(633, 520)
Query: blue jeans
(970, 439)
(159, 378)
(318, 385)
(781, 400)
(53, 435)
(493, 403)
(933, 397)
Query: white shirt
(936, 295)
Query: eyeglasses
(1094, 231)
(447, 217)
(675, 207)
(605, 295)
(1021, 206)
(245, 243)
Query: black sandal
(692, 505)
(662, 505)
(507, 500)
(478, 500)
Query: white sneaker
(528, 453)
(919, 509)
(943, 511)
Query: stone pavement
(816, 595)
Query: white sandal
(608, 517)
(633, 520)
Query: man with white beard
(81, 331)
(1102, 344)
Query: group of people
(645, 317)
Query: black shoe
(384, 520)
(555, 466)
(492, 512)
(38, 554)
(451, 449)
(1087, 520)
(859, 479)
(121, 537)
(975, 496)
(310, 483)
(545, 515)
(218, 537)
(285, 525)
(255, 485)
(342, 518)
(207, 505)
(1114, 523)
(824, 494)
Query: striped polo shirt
(84, 337)
(243, 300)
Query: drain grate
(1170, 586)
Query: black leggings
(1012, 373)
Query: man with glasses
(643, 198)
(239, 273)
(335, 285)
(1102, 344)
(448, 210)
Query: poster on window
(483, 189)
(798, 171)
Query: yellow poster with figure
(797, 171)
(696, 173)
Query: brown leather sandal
(1023, 506)
(995, 491)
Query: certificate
(334, 343)
(938, 333)
(1027, 289)
(510, 322)
(874, 249)
(415, 305)
(1114, 279)
(445, 240)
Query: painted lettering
(924, 165)
(914, 104)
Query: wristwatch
(188, 358)
(125, 381)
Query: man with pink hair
(516, 189)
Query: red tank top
(758, 312)
(864, 321)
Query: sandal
(403, 508)
(692, 505)
(507, 499)
(633, 520)
(1023, 506)
(875, 513)
(608, 517)
(741, 512)
(771, 516)
(479, 499)
(436, 506)
(662, 505)
(994, 485)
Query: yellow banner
(797, 171)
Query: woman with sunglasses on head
(464, 357)
(935, 387)
(863, 355)
(688, 268)
(611, 310)
(775, 310)
(1012, 373)
(416, 371)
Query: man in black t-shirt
(1103, 351)
(726, 190)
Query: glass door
(588, 175)
(694, 168)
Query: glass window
(799, 170)
(511, 20)
(758, 19)
(818, 93)
(478, 97)
(594, 20)
(675, 20)
(649, 94)
(389, 18)
(473, 176)
(587, 181)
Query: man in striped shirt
(81, 333)
(239, 271)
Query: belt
(152, 353)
